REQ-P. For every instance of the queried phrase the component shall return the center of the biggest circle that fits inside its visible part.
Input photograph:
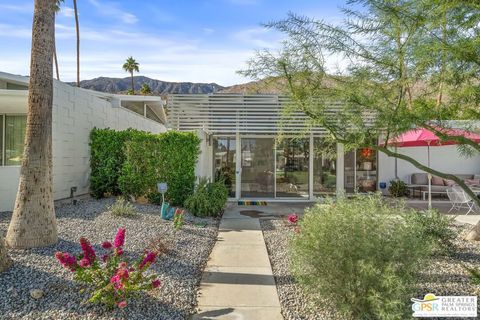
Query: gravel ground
(441, 276)
(179, 270)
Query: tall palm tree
(5, 260)
(33, 221)
(55, 59)
(131, 65)
(77, 29)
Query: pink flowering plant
(112, 279)
(178, 218)
(293, 218)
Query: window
(324, 166)
(12, 136)
(135, 106)
(361, 170)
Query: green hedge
(138, 160)
(106, 160)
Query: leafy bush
(397, 188)
(361, 255)
(131, 162)
(474, 275)
(106, 159)
(208, 199)
(437, 228)
(168, 157)
(122, 208)
(114, 281)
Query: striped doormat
(252, 203)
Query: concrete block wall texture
(75, 113)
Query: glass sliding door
(224, 162)
(324, 167)
(292, 162)
(349, 171)
(361, 170)
(257, 178)
(366, 175)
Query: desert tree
(33, 221)
(400, 64)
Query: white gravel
(179, 270)
(442, 275)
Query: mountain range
(159, 87)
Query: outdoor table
(415, 187)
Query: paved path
(238, 282)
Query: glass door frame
(224, 136)
(311, 197)
(238, 194)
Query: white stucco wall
(204, 167)
(75, 113)
(445, 159)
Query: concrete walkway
(238, 282)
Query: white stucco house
(76, 112)
(238, 143)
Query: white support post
(238, 166)
(340, 168)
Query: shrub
(131, 162)
(168, 157)
(437, 229)
(474, 275)
(106, 159)
(208, 199)
(113, 281)
(122, 208)
(397, 188)
(361, 255)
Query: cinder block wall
(75, 113)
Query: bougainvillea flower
(66, 260)
(155, 283)
(119, 238)
(84, 263)
(149, 259)
(107, 245)
(88, 252)
(293, 218)
(122, 273)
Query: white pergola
(230, 114)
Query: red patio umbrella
(425, 138)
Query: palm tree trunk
(5, 260)
(78, 41)
(33, 221)
(55, 60)
(133, 86)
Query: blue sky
(182, 40)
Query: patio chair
(460, 199)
